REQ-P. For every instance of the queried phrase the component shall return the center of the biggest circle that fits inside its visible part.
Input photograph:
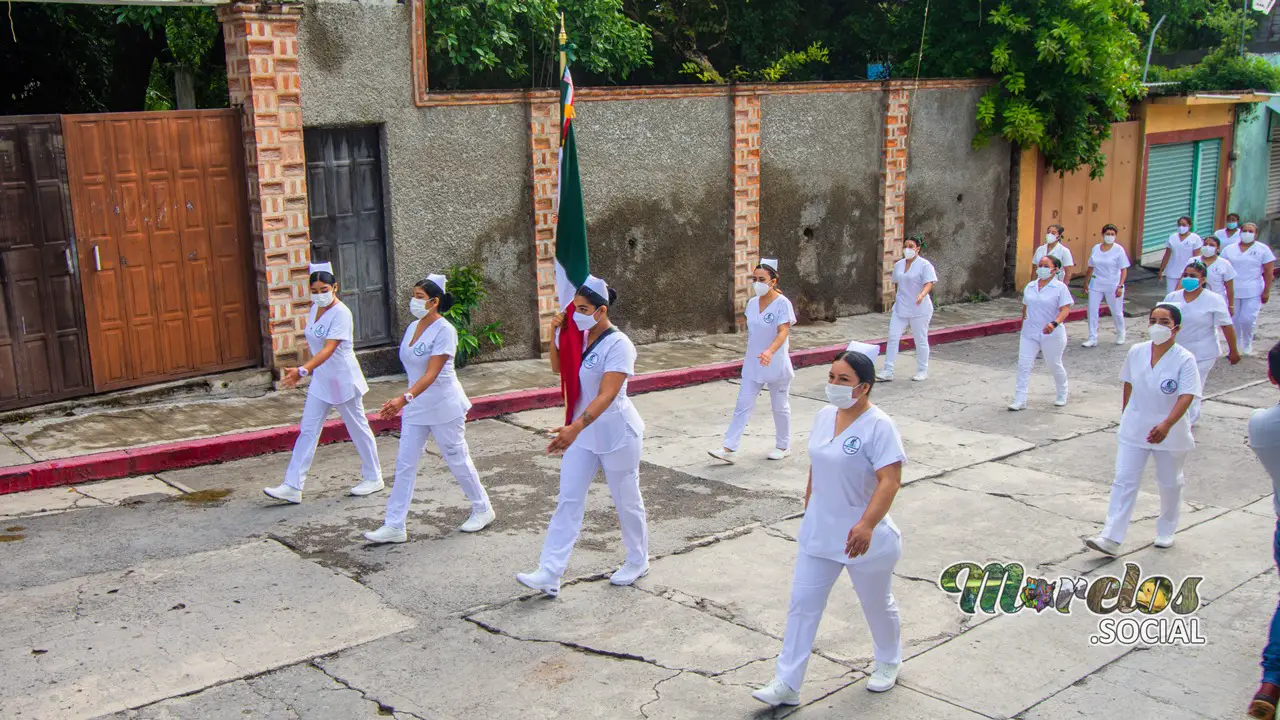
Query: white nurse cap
(770, 263)
(597, 286)
(322, 267)
(437, 280)
(871, 351)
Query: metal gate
(344, 187)
(1182, 179)
(43, 348)
(163, 238)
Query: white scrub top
(1219, 273)
(444, 400)
(339, 378)
(1043, 305)
(844, 479)
(1059, 251)
(1200, 322)
(1181, 250)
(1222, 235)
(1248, 264)
(910, 282)
(762, 330)
(612, 353)
(1155, 391)
(1106, 267)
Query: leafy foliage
(466, 284)
(1196, 24)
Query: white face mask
(1184, 229)
(840, 395)
(1051, 238)
(1246, 237)
(1044, 273)
(909, 253)
(584, 321)
(1208, 251)
(760, 289)
(418, 308)
(1159, 334)
(322, 299)
(1108, 239)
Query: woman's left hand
(920, 298)
(1048, 329)
(290, 378)
(392, 408)
(1266, 295)
(564, 437)
(859, 541)
(765, 358)
(1158, 433)
(1233, 357)
(1120, 291)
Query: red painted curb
(153, 459)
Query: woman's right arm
(808, 488)
(557, 322)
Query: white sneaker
(1015, 406)
(1061, 401)
(628, 574)
(922, 375)
(368, 487)
(478, 520)
(541, 580)
(387, 534)
(1103, 545)
(728, 456)
(778, 454)
(1246, 350)
(1164, 541)
(883, 376)
(884, 677)
(285, 493)
(1091, 342)
(1120, 339)
(777, 693)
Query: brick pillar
(263, 80)
(893, 191)
(544, 144)
(746, 198)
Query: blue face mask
(1190, 284)
(1232, 225)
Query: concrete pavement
(286, 613)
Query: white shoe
(1120, 339)
(628, 574)
(922, 375)
(479, 520)
(1015, 406)
(541, 580)
(1164, 541)
(1103, 545)
(285, 493)
(778, 454)
(1246, 350)
(387, 534)
(1091, 342)
(728, 456)
(883, 376)
(1061, 401)
(884, 677)
(777, 693)
(368, 487)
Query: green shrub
(466, 284)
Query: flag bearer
(914, 277)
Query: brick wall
(893, 192)
(544, 144)
(746, 198)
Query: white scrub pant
(314, 413)
(452, 440)
(1117, 310)
(1172, 284)
(919, 331)
(622, 473)
(1052, 347)
(1203, 366)
(779, 398)
(1245, 319)
(872, 579)
(1130, 462)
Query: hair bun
(613, 295)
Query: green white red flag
(572, 265)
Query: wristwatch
(1054, 323)
(408, 397)
(303, 372)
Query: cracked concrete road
(190, 595)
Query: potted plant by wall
(466, 284)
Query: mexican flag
(571, 249)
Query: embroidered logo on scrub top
(320, 331)
(420, 349)
(852, 446)
(591, 360)
(768, 317)
(1169, 387)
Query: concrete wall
(820, 199)
(655, 178)
(958, 198)
(456, 178)
(1249, 174)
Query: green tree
(1199, 24)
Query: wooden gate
(43, 348)
(163, 238)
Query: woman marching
(336, 382)
(1229, 235)
(912, 307)
(1254, 264)
(1108, 267)
(435, 406)
(606, 432)
(1161, 381)
(1203, 312)
(1222, 276)
(1054, 246)
(857, 458)
(1046, 302)
(768, 363)
(1179, 250)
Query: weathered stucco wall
(957, 197)
(819, 198)
(456, 178)
(655, 178)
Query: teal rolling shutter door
(1170, 185)
(1204, 216)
